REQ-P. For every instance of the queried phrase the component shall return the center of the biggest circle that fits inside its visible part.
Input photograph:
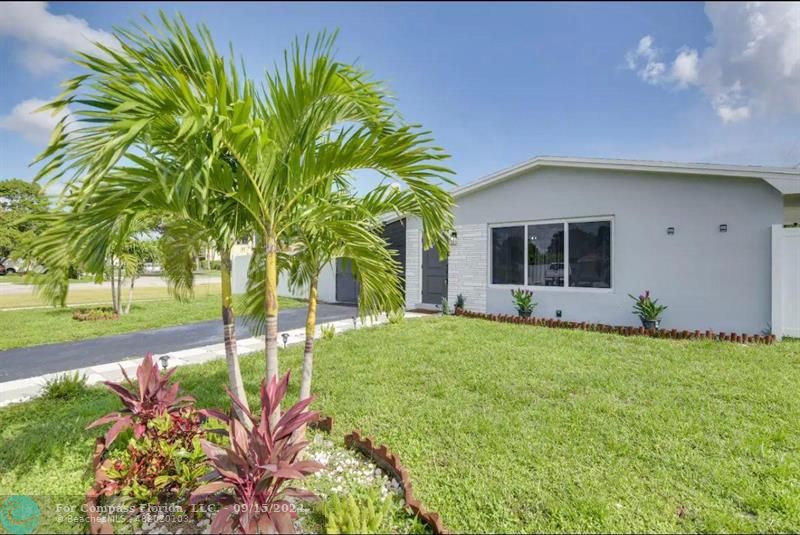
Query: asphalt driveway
(50, 358)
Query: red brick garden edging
(674, 334)
(388, 462)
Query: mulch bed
(94, 314)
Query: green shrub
(363, 514)
(445, 307)
(151, 396)
(215, 265)
(167, 462)
(460, 301)
(96, 313)
(65, 386)
(396, 316)
(646, 307)
(523, 302)
(328, 332)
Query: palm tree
(168, 92)
(145, 134)
(351, 230)
(319, 121)
(218, 222)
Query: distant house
(583, 233)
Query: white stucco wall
(239, 273)
(326, 288)
(709, 279)
(413, 262)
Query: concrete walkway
(18, 390)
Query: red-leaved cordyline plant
(258, 467)
(149, 398)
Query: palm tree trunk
(113, 288)
(271, 310)
(130, 296)
(229, 334)
(308, 350)
(119, 289)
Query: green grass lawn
(22, 328)
(96, 294)
(517, 428)
(18, 278)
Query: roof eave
(785, 180)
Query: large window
(590, 254)
(546, 255)
(575, 254)
(508, 255)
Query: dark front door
(346, 285)
(395, 235)
(434, 277)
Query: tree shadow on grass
(41, 431)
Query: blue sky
(496, 83)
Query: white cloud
(729, 114)
(34, 126)
(751, 67)
(684, 68)
(644, 60)
(46, 40)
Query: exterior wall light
(285, 337)
(723, 228)
(453, 237)
(670, 230)
(164, 359)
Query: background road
(50, 358)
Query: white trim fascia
(391, 217)
(784, 179)
(776, 324)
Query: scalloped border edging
(388, 462)
(672, 334)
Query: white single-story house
(582, 233)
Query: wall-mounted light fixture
(670, 231)
(453, 237)
(723, 228)
(164, 359)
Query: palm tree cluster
(163, 123)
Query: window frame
(564, 221)
(524, 255)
